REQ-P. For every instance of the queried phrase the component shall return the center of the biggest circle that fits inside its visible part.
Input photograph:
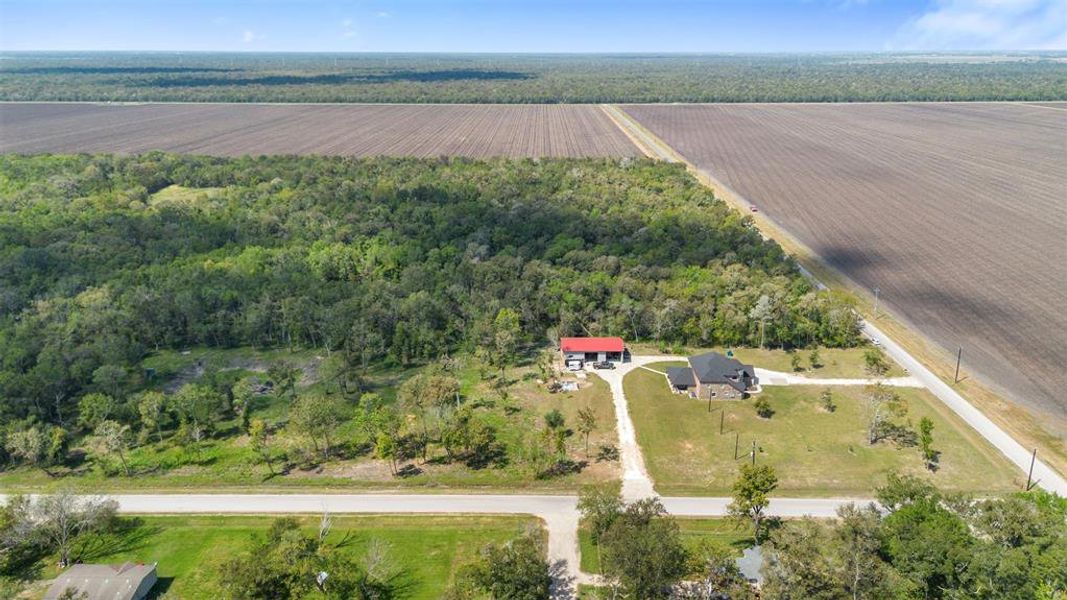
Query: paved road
(559, 513)
(1046, 477)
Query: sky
(534, 25)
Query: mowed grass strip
(427, 551)
(695, 532)
(815, 453)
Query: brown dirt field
(352, 130)
(957, 212)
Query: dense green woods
(247, 77)
(105, 260)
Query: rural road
(649, 144)
(1044, 475)
(559, 513)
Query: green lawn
(833, 362)
(815, 453)
(227, 462)
(426, 550)
(725, 532)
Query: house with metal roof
(713, 375)
(128, 581)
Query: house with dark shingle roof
(713, 375)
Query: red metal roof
(591, 344)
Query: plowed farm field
(957, 212)
(352, 130)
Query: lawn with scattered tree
(815, 451)
(529, 437)
(199, 557)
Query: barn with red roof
(580, 350)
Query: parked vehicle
(604, 364)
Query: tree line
(917, 543)
(408, 78)
(105, 260)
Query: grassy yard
(833, 362)
(815, 453)
(695, 531)
(227, 462)
(427, 551)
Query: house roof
(680, 376)
(591, 344)
(103, 582)
(713, 367)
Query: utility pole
(722, 417)
(959, 356)
(736, 435)
(876, 290)
(762, 329)
(1030, 474)
(753, 452)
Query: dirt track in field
(958, 213)
(352, 130)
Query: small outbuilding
(128, 581)
(577, 351)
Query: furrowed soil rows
(355, 130)
(957, 212)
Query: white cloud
(348, 28)
(987, 25)
(381, 14)
(250, 36)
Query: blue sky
(533, 26)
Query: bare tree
(114, 438)
(58, 519)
